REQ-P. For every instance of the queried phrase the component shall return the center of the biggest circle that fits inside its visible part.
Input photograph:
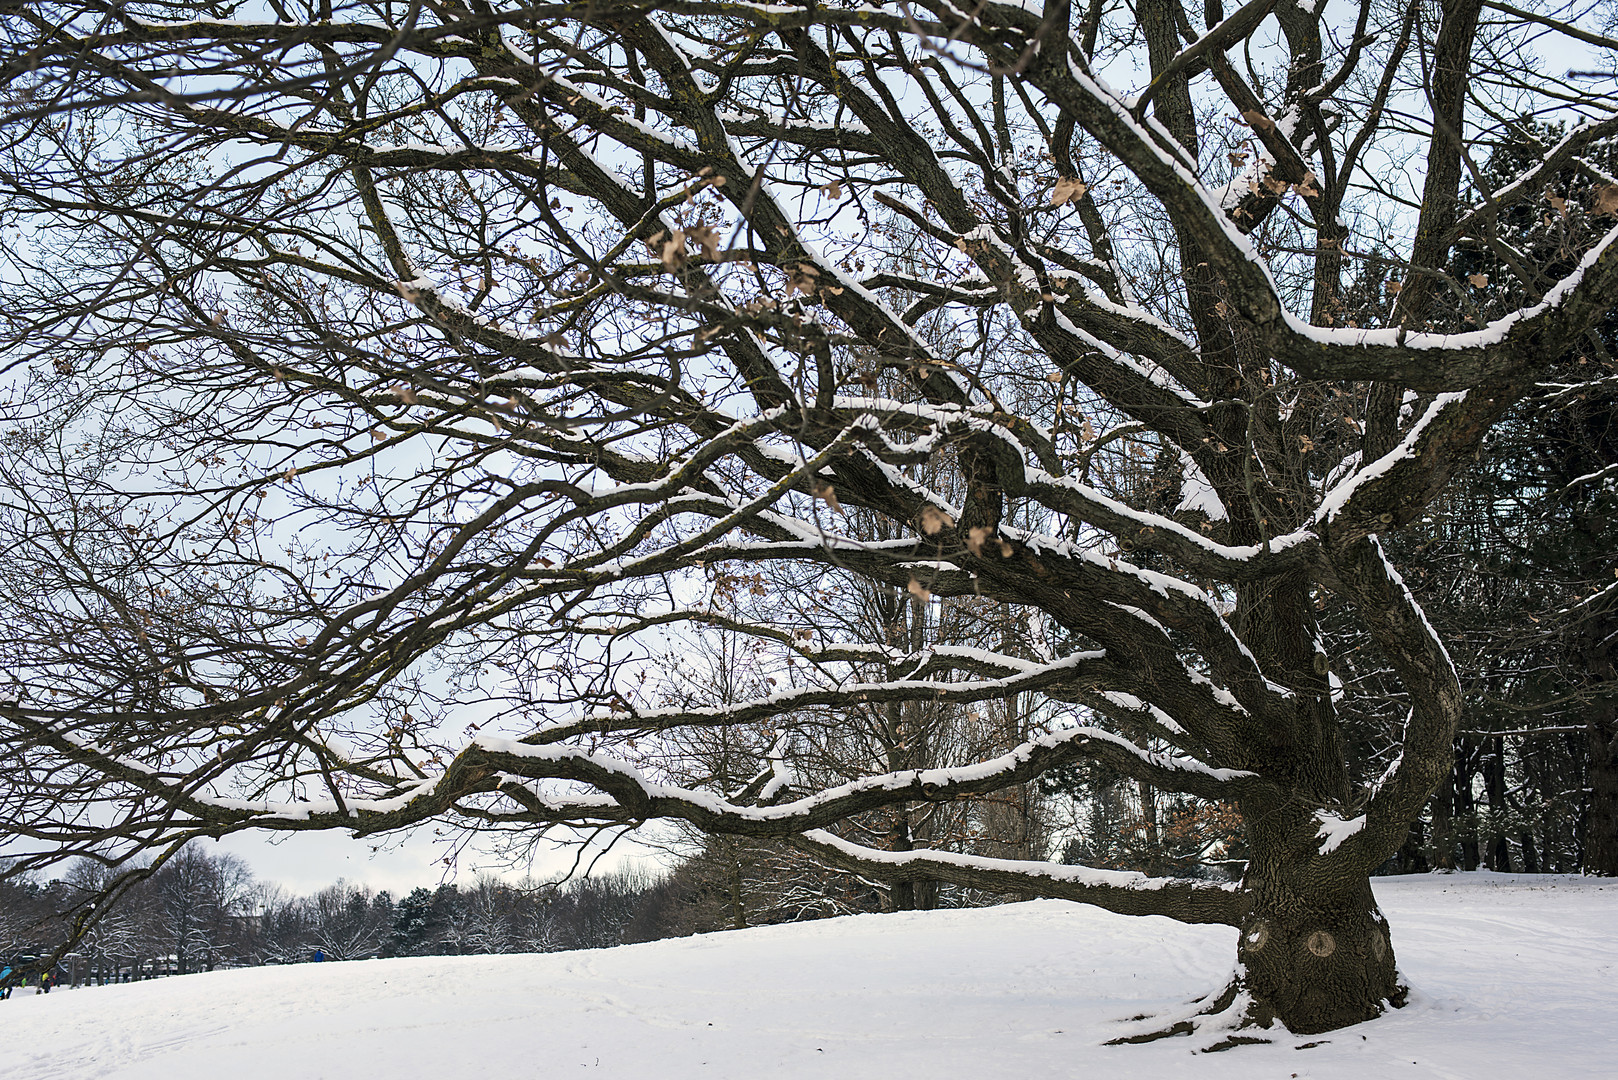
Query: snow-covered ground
(1516, 977)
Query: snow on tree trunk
(1314, 950)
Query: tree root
(1224, 1020)
(1232, 1009)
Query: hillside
(1514, 975)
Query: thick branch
(1121, 891)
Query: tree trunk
(1466, 817)
(1412, 857)
(738, 910)
(1314, 950)
(1530, 861)
(902, 895)
(1494, 781)
(1601, 832)
(1154, 862)
(1444, 827)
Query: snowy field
(1516, 977)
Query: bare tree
(202, 902)
(113, 940)
(537, 926)
(283, 933)
(387, 375)
(491, 916)
(27, 918)
(346, 922)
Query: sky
(306, 862)
(309, 861)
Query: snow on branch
(489, 764)
(1402, 631)
(1072, 668)
(1122, 891)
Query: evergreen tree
(412, 931)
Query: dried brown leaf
(1068, 188)
(804, 278)
(672, 252)
(934, 520)
(705, 237)
(1258, 120)
(822, 490)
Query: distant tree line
(201, 911)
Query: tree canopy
(396, 386)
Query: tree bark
(1494, 780)
(1314, 950)
(1444, 828)
(1465, 805)
(1315, 953)
(1601, 832)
